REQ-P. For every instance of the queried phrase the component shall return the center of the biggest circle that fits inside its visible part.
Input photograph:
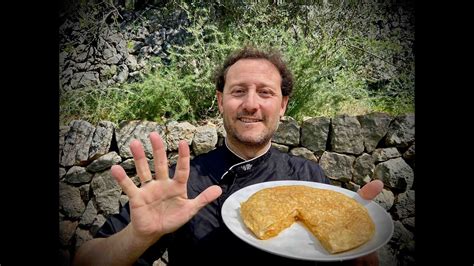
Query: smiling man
(251, 103)
(183, 214)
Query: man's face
(251, 102)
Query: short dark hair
(250, 52)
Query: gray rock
(70, 201)
(107, 72)
(62, 58)
(337, 166)
(84, 190)
(401, 236)
(374, 126)
(84, 79)
(383, 154)
(405, 204)
(401, 132)
(123, 74)
(346, 135)
(63, 130)
(179, 131)
(78, 175)
(409, 223)
(387, 256)
(205, 139)
(101, 140)
(83, 53)
(303, 152)
(410, 153)
(385, 199)
(131, 62)
(129, 130)
(62, 173)
(108, 202)
(104, 162)
(107, 193)
(128, 165)
(141, 33)
(395, 173)
(363, 169)
(89, 215)
(352, 186)
(314, 134)
(83, 66)
(108, 53)
(66, 77)
(280, 147)
(77, 143)
(288, 132)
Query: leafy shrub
(346, 58)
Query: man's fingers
(210, 194)
(182, 167)
(123, 180)
(371, 190)
(141, 162)
(159, 155)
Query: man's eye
(266, 93)
(238, 92)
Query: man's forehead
(251, 66)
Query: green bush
(344, 57)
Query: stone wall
(95, 53)
(352, 150)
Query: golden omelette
(339, 222)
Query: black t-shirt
(205, 239)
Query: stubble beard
(260, 140)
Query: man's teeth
(249, 120)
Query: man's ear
(284, 104)
(219, 101)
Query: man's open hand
(161, 204)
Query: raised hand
(161, 204)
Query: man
(183, 214)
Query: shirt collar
(227, 145)
(240, 165)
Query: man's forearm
(123, 248)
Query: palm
(161, 206)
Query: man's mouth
(249, 119)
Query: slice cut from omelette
(339, 222)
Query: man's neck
(246, 152)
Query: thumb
(371, 190)
(210, 194)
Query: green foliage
(344, 57)
(95, 104)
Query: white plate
(296, 241)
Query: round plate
(297, 241)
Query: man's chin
(253, 140)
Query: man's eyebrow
(245, 84)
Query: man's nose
(250, 103)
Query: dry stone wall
(352, 150)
